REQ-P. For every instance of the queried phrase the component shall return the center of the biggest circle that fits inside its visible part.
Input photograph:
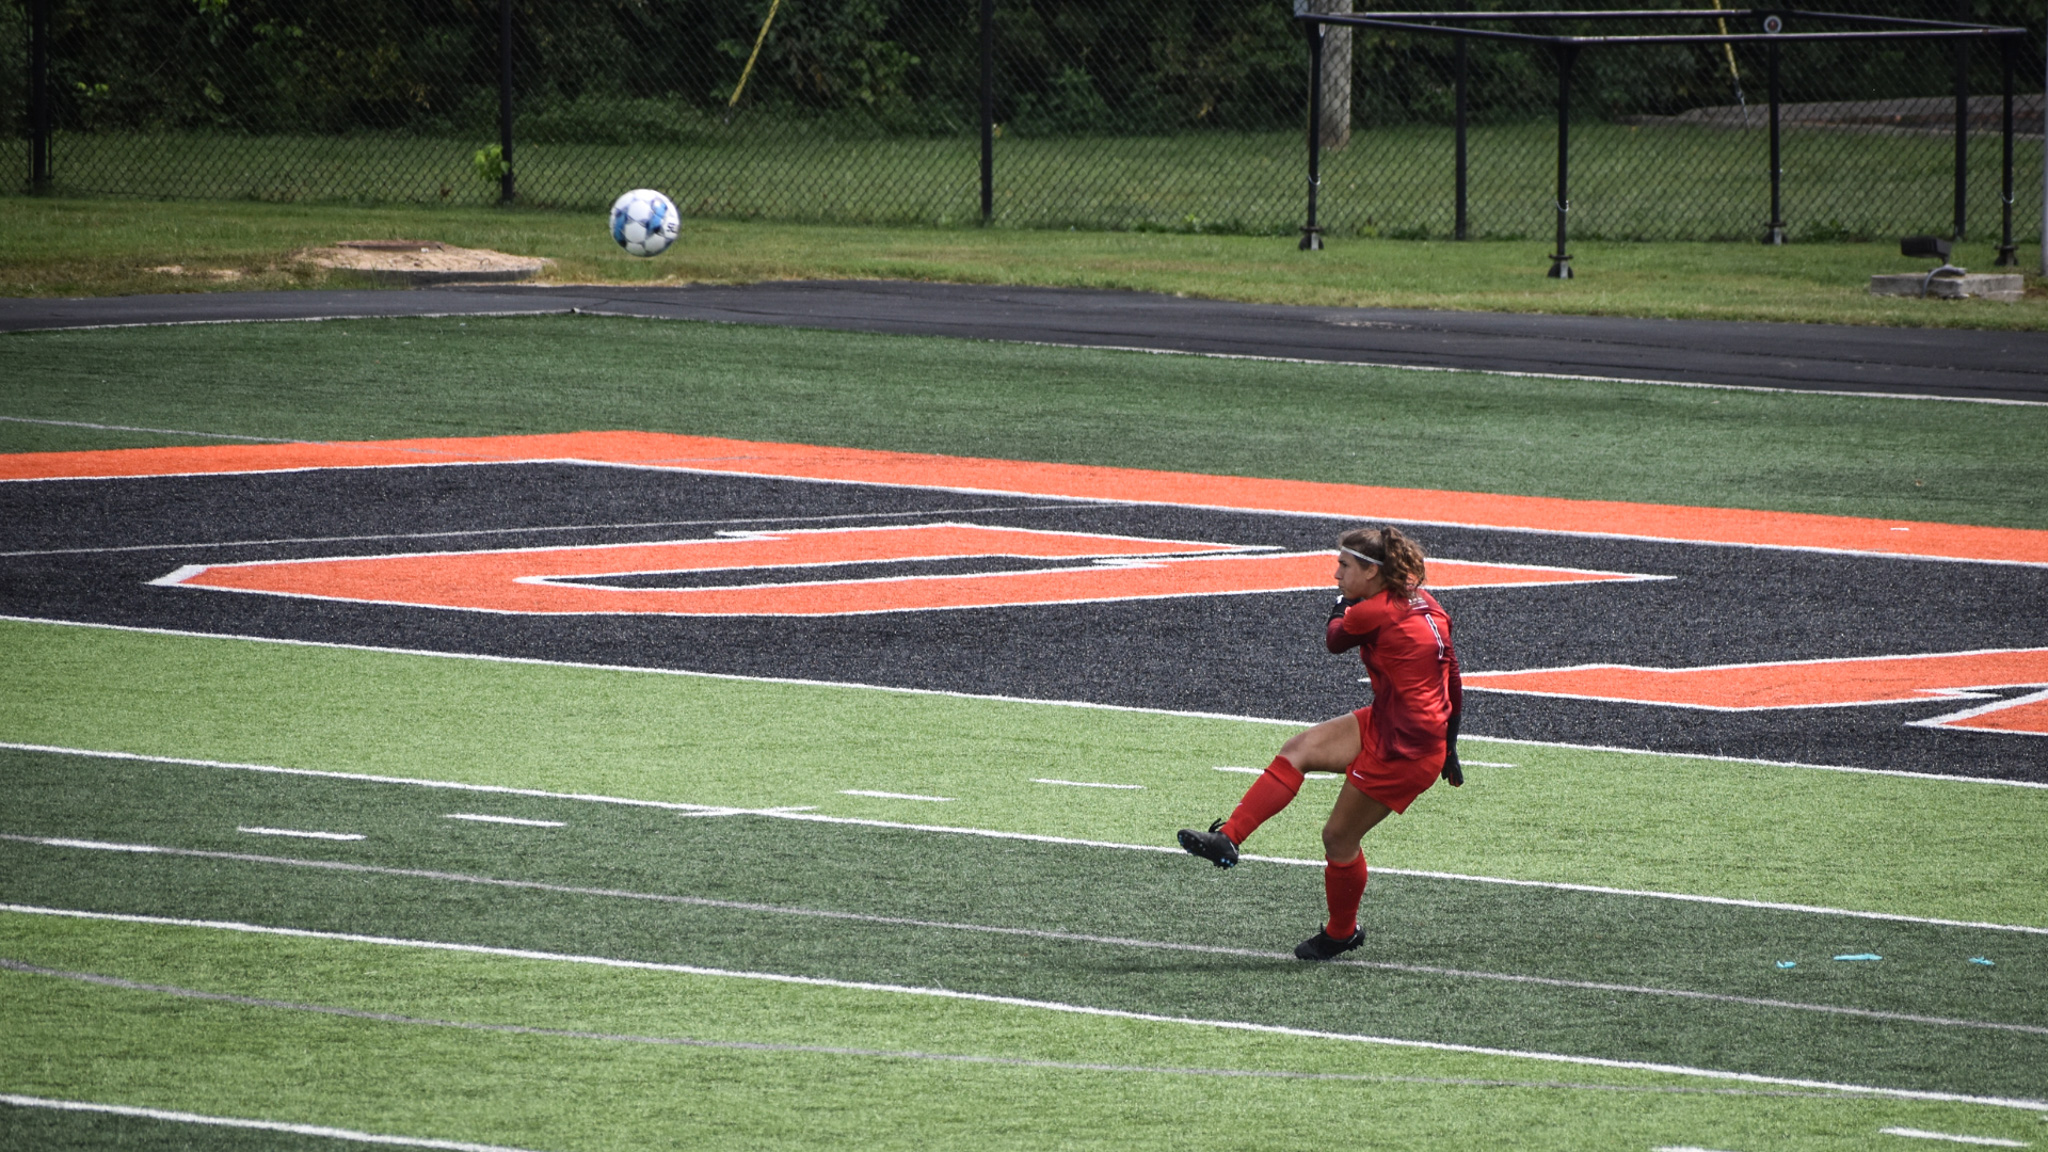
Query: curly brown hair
(1399, 558)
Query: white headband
(1360, 555)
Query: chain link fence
(1127, 114)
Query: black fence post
(1458, 224)
(1775, 231)
(988, 110)
(1311, 235)
(2008, 255)
(1962, 131)
(39, 96)
(1560, 260)
(505, 99)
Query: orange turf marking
(1804, 684)
(520, 580)
(1345, 501)
(2027, 717)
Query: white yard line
(1088, 784)
(896, 1053)
(1042, 1005)
(261, 1125)
(480, 818)
(895, 795)
(303, 835)
(1033, 933)
(1923, 1134)
(798, 813)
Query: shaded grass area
(1954, 849)
(63, 247)
(573, 1094)
(1946, 462)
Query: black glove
(1338, 608)
(1452, 772)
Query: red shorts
(1395, 783)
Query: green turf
(1948, 462)
(60, 247)
(564, 1093)
(1565, 815)
(958, 880)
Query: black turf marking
(1258, 655)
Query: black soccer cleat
(1322, 946)
(1212, 845)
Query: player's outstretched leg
(1275, 788)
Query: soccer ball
(644, 222)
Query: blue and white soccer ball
(644, 222)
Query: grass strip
(61, 247)
(1924, 460)
(1954, 849)
(563, 1093)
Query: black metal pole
(1458, 224)
(1775, 231)
(39, 96)
(1560, 260)
(1312, 236)
(1962, 131)
(988, 110)
(2008, 255)
(505, 99)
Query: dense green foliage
(624, 70)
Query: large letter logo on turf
(1814, 684)
(827, 572)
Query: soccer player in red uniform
(1389, 752)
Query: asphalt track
(1949, 363)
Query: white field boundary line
(890, 1053)
(261, 1125)
(1029, 933)
(1511, 373)
(794, 812)
(154, 431)
(466, 532)
(357, 316)
(1040, 1005)
(1519, 375)
(852, 685)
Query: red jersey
(1406, 647)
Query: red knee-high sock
(1343, 887)
(1271, 792)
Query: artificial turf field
(715, 907)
